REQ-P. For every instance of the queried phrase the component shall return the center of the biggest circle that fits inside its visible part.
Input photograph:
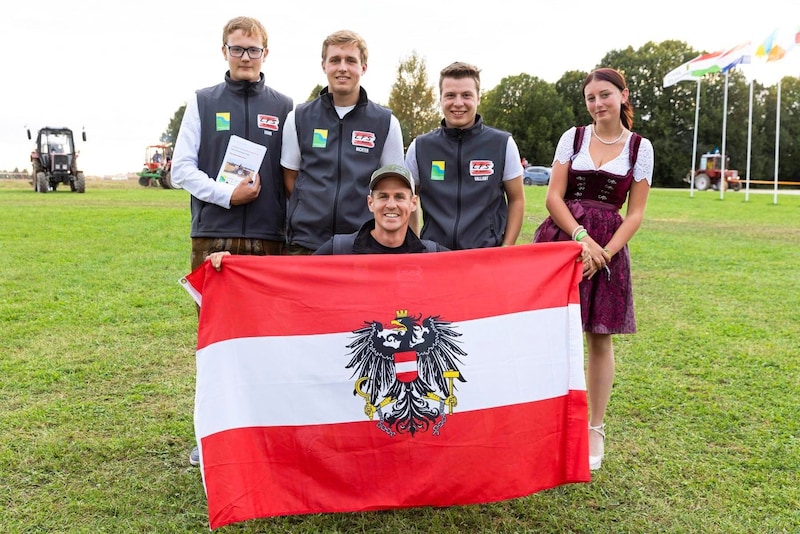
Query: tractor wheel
(41, 184)
(166, 180)
(80, 183)
(144, 181)
(701, 182)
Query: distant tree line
(537, 112)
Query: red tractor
(710, 173)
(157, 166)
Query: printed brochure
(242, 160)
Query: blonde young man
(332, 145)
(248, 218)
(469, 175)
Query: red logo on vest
(365, 139)
(481, 167)
(268, 122)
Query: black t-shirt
(371, 246)
(362, 242)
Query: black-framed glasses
(253, 52)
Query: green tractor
(157, 167)
(55, 161)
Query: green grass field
(97, 376)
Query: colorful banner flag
(694, 69)
(778, 43)
(738, 55)
(721, 61)
(369, 382)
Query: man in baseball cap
(392, 202)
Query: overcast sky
(121, 70)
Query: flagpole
(694, 69)
(777, 141)
(694, 143)
(722, 181)
(749, 144)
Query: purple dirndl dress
(595, 198)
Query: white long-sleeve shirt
(185, 172)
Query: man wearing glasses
(248, 218)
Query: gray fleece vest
(257, 113)
(461, 185)
(338, 158)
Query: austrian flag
(371, 382)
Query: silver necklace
(608, 142)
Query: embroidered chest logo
(363, 141)
(223, 121)
(268, 122)
(320, 138)
(405, 373)
(437, 170)
(481, 169)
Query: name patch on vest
(363, 140)
(437, 170)
(320, 139)
(223, 119)
(481, 169)
(268, 122)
